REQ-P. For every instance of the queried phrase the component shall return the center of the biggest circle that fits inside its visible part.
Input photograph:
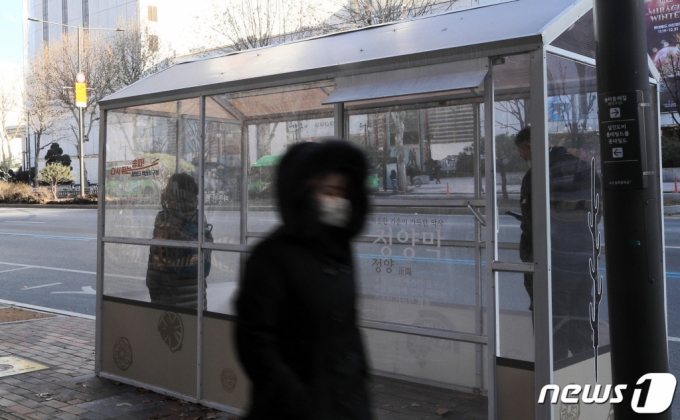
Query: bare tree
(669, 71)
(360, 13)
(41, 107)
(109, 62)
(246, 24)
(399, 117)
(99, 65)
(578, 102)
(138, 53)
(11, 119)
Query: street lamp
(81, 128)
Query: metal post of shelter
(491, 244)
(81, 128)
(543, 365)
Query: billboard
(663, 45)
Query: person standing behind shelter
(296, 331)
(571, 242)
(172, 273)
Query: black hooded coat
(296, 331)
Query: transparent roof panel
(579, 38)
(283, 103)
(511, 24)
(512, 73)
(278, 103)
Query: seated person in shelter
(172, 273)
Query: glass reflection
(146, 145)
(511, 115)
(575, 185)
(224, 128)
(172, 272)
(424, 149)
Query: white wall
(11, 85)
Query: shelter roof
(522, 20)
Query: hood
(306, 161)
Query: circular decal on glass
(570, 411)
(172, 331)
(425, 349)
(5, 367)
(228, 379)
(122, 353)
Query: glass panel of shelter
(419, 264)
(579, 289)
(222, 170)
(146, 146)
(268, 121)
(151, 193)
(580, 37)
(513, 234)
(511, 114)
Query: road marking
(674, 339)
(49, 268)
(87, 290)
(22, 222)
(15, 269)
(674, 247)
(37, 287)
(66, 238)
(120, 276)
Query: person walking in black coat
(296, 332)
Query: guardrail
(75, 192)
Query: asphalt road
(47, 257)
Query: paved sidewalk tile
(69, 390)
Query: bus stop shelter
(445, 277)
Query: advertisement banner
(663, 45)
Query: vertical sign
(81, 95)
(81, 90)
(622, 135)
(662, 18)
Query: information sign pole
(631, 205)
(81, 127)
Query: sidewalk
(68, 389)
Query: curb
(50, 206)
(48, 310)
(671, 209)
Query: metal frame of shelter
(400, 64)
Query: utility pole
(81, 128)
(632, 213)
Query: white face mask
(335, 211)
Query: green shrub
(53, 174)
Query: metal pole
(631, 205)
(81, 129)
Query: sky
(11, 31)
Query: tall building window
(153, 14)
(86, 13)
(46, 26)
(64, 16)
(153, 43)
